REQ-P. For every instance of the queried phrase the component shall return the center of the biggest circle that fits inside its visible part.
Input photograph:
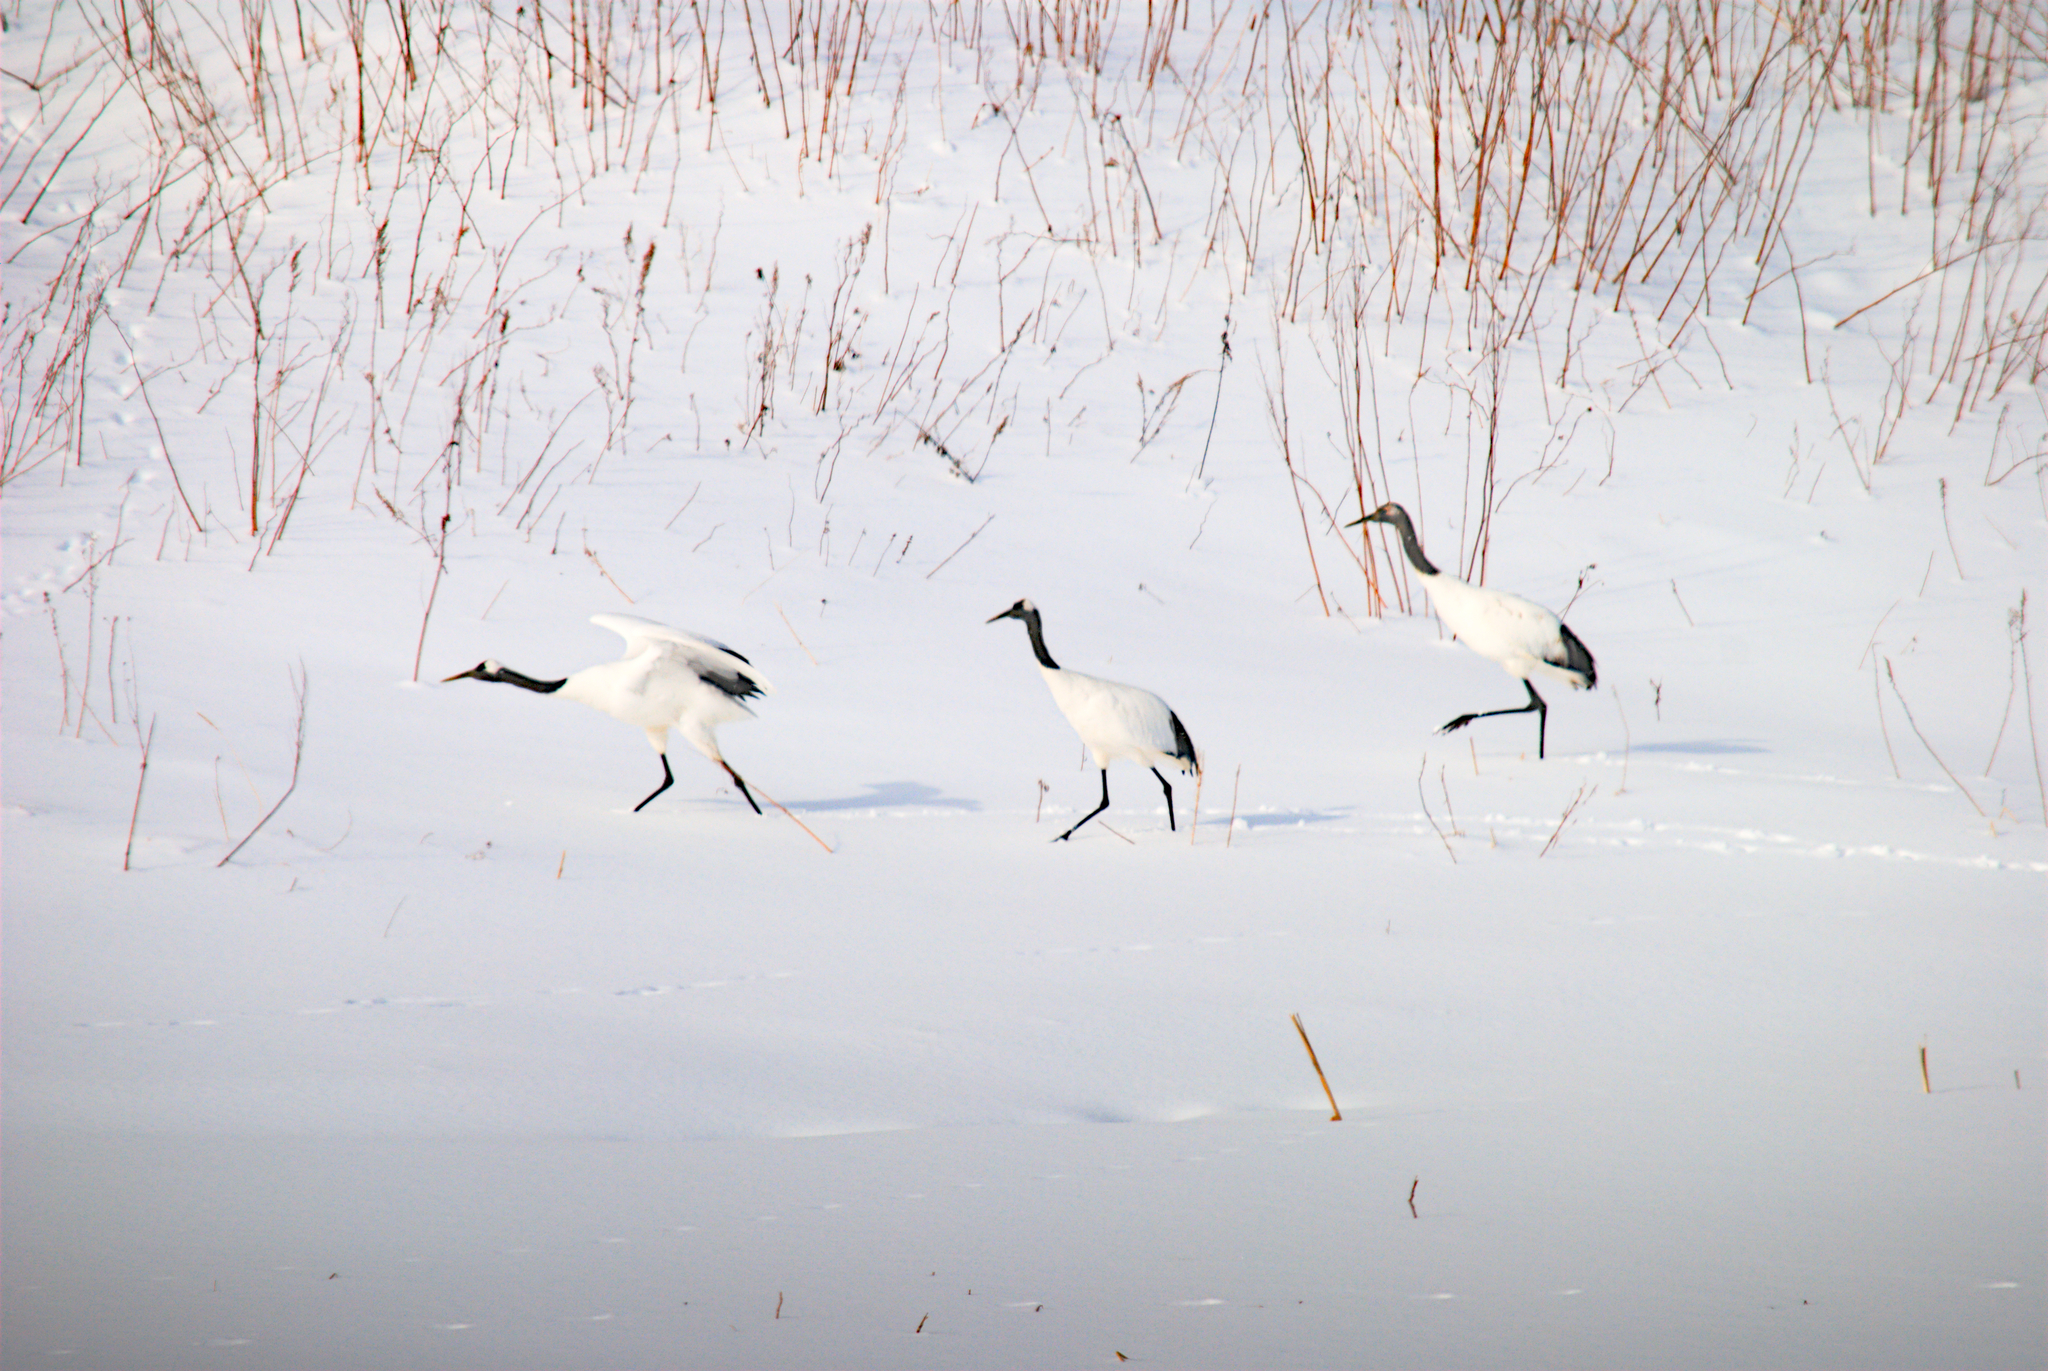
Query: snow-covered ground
(459, 1061)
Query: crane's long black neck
(511, 677)
(1037, 633)
(1409, 545)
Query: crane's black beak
(476, 672)
(1015, 611)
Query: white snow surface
(458, 1062)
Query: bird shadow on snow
(1707, 745)
(890, 793)
(1289, 818)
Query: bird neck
(511, 677)
(1031, 626)
(1410, 546)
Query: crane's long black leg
(1169, 799)
(1535, 706)
(1093, 812)
(668, 778)
(740, 783)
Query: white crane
(666, 680)
(1114, 721)
(1524, 637)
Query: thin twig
(1624, 739)
(1924, 743)
(1425, 809)
(2033, 737)
(140, 777)
(792, 818)
(606, 574)
(1565, 818)
(956, 551)
(1877, 693)
(1949, 531)
(1216, 405)
(298, 755)
(1681, 605)
(440, 565)
(793, 633)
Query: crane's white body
(1116, 722)
(669, 679)
(1523, 637)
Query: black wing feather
(1183, 746)
(734, 683)
(1576, 657)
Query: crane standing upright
(1115, 721)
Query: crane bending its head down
(1114, 721)
(666, 680)
(1522, 636)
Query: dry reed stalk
(1431, 817)
(2027, 672)
(298, 755)
(1949, 532)
(792, 818)
(1681, 605)
(793, 633)
(1336, 1115)
(141, 776)
(440, 566)
(956, 551)
(1623, 788)
(1929, 746)
(1230, 829)
(1276, 409)
(1584, 792)
(592, 555)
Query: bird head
(1021, 610)
(486, 670)
(1385, 514)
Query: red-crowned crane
(666, 680)
(1114, 721)
(1524, 637)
